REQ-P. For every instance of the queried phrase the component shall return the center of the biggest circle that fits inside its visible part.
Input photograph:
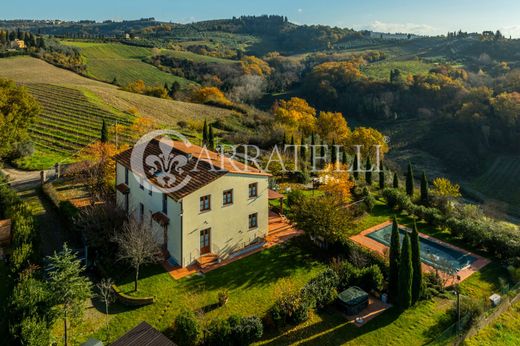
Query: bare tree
(137, 246)
(106, 295)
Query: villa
(219, 207)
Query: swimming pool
(432, 253)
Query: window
(126, 176)
(253, 220)
(165, 204)
(205, 203)
(141, 185)
(253, 190)
(227, 197)
(141, 212)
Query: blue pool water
(432, 253)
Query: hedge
(129, 300)
(23, 228)
(484, 233)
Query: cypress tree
(205, 133)
(425, 198)
(405, 274)
(416, 265)
(344, 157)
(114, 81)
(313, 143)
(381, 175)
(104, 132)
(284, 142)
(211, 139)
(292, 144)
(368, 171)
(322, 153)
(409, 180)
(355, 167)
(302, 150)
(333, 156)
(395, 257)
(396, 181)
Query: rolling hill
(106, 61)
(74, 106)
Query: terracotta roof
(161, 218)
(123, 188)
(202, 167)
(274, 195)
(143, 335)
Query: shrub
(218, 333)
(469, 308)
(223, 297)
(321, 291)
(291, 308)
(186, 329)
(368, 278)
(245, 330)
(294, 197)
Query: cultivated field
(181, 54)
(74, 107)
(106, 61)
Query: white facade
(192, 232)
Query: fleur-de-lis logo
(165, 167)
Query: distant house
(143, 335)
(222, 209)
(18, 44)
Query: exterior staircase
(207, 260)
(280, 229)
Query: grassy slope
(251, 282)
(105, 98)
(197, 57)
(381, 70)
(505, 330)
(108, 60)
(501, 181)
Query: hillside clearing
(106, 61)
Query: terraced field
(106, 61)
(180, 54)
(74, 107)
(68, 123)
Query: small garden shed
(353, 300)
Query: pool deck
(382, 249)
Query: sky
(415, 16)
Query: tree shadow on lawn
(333, 329)
(259, 269)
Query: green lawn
(415, 326)
(505, 330)
(108, 60)
(252, 283)
(381, 70)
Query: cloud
(300, 10)
(421, 29)
(513, 30)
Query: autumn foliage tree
(296, 115)
(210, 95)
(336, 183)
(251, 65)
(333, 126)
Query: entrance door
(205, 238)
